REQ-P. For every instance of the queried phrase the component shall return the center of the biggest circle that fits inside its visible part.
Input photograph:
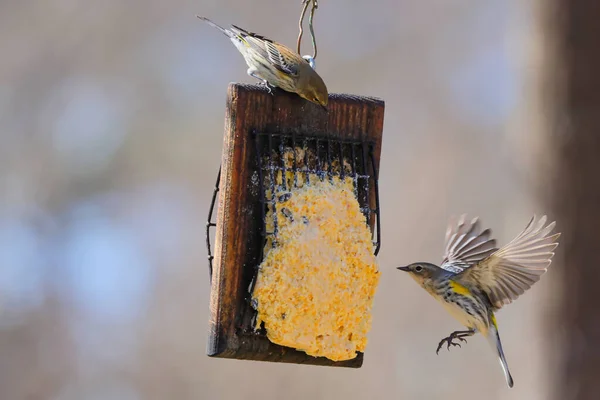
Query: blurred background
(111, 126)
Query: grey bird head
(422, 271)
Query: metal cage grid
(354, 158)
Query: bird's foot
(460, 335)
(270, 88)
(253, 73)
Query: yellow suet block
(315, 288)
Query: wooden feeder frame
(251, 114)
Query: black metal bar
(305, 143)
(377, 204)
(366, 172)
(272, 186)
(312, 171)
(354, 173)
(284, 171)
(261, 192)
(318, 167)
(263, 205)
(294, 161)
(329, 166)
(342, 172)
(316, 136)
(210, 224)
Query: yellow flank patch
(459, 289)
(493, 319)
(315, 288)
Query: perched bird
(277, 65)
(476, 279)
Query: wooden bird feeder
(256, 125)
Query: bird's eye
(418, 268)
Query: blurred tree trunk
(571, 91)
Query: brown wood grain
(238, 242)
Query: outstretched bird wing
(466, 246)
(509, 272)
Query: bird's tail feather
(494, 339)
(219, 27)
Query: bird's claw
(270, 88)
(453, 344)
(449, 341)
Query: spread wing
(513, 269)
(466, 245)
(277, 54)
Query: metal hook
(315, 5)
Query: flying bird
(476, 279)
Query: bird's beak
(323, 107)
(405, 269)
